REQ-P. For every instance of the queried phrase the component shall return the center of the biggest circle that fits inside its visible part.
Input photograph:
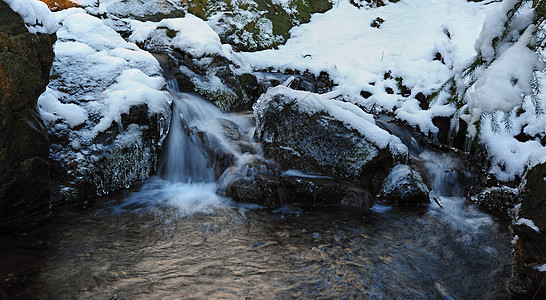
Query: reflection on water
(235, 252)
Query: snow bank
(357, 56)
(502, 85)
(35, 14)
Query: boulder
(272, 190)
(529, 269)
(405, 186)
(25, 61)
(106, 108)
(200, 62)
(321, 135)
(499, 201)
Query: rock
(499, 201)
(528, 281)
(255, 24)
(25, 61)
(272, 190)
(323, 191)
(106, 108)
(405, 186)
(320, 135)
(201, 63)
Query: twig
(437, 202)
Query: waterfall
(202, 142)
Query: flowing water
(176, 238)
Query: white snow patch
(35, 14)
(528, 223)
(541, 268)
(52, 109)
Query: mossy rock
(266, 28)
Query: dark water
(177, 239)
(239, 253)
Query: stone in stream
(405, 186)
(321, 135)
(25, 61)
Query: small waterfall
(202, 142)
(184, 157)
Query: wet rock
(405, 186)
(499, 201)
(275, 191)
(25, 61)
(322, 191)
(202, 64)
(529, 269)
(298, 131)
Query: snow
(191, 35)
(541, 268)
(35, 14)
(501, 86)
(356, 55)
(528, 223)
(52, 109)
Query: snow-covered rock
(201, 62)
(106, 108)
(404, 186)
(319, 134)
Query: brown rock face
(25, 61)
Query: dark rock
(456, 137)
(530, 245)
(315, 142)
(263, 190)
(25, 61)
(313, 191)
(365, 94)
(405, 186)
(376, 23)
(499, 201)
(322, 191)
(423, 101)
(302, 82)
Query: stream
(175, 237)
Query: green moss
(171, 33)
(198, 8)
